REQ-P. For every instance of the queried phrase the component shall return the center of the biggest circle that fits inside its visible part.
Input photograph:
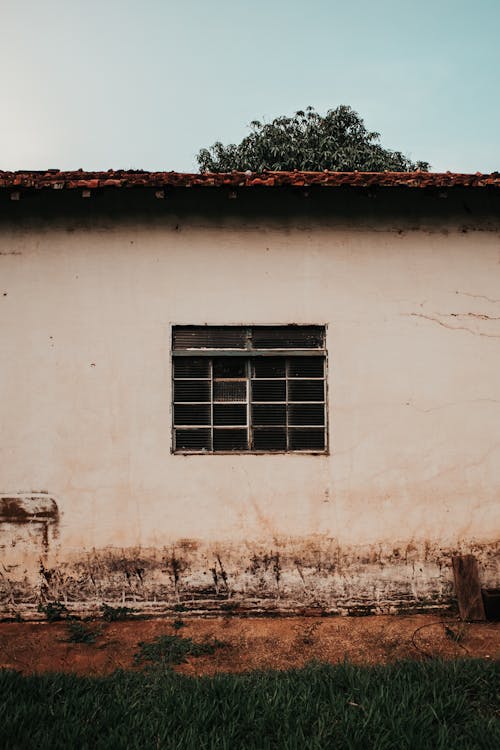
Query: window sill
(251, 453)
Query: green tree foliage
(308, 141)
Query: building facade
(251, 392)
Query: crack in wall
(453, 328)
(481, 316)
(478, 296)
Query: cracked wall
(413, 320)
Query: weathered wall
(96, 508)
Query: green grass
(54, 611)
(406, 706)
(167, 650)
(116, 614)
(79, 632)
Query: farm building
(274, 392)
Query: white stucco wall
(413, 472)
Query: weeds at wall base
(117, 614)
(78, 632)
(169, 650)
(54, 611)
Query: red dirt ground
(251, 643)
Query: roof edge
(71, 180)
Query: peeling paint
(33, 512)
(294, 576)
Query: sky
(144, 84)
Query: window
(255, 389)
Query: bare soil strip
(249, 643)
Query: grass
(116, 614)
(78, 632)
(54, 611)
(430, 705)
(167, 650)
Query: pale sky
(145, 84)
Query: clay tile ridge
(55, 179)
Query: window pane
(306, 390)
(231, 390)
(230, 440)
(191, 390)
(209, 337)
(192, 440)
(306, 367)
(229, 367)
(269, 414)
(306, 439)
(269, 439)
(306, 414)
(230, 414)
(287, 337)
(191, 367)
(187, 414)
(268, 390)
(269, 367)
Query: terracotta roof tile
(52, 178)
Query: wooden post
(468, 588)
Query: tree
(339, 141)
